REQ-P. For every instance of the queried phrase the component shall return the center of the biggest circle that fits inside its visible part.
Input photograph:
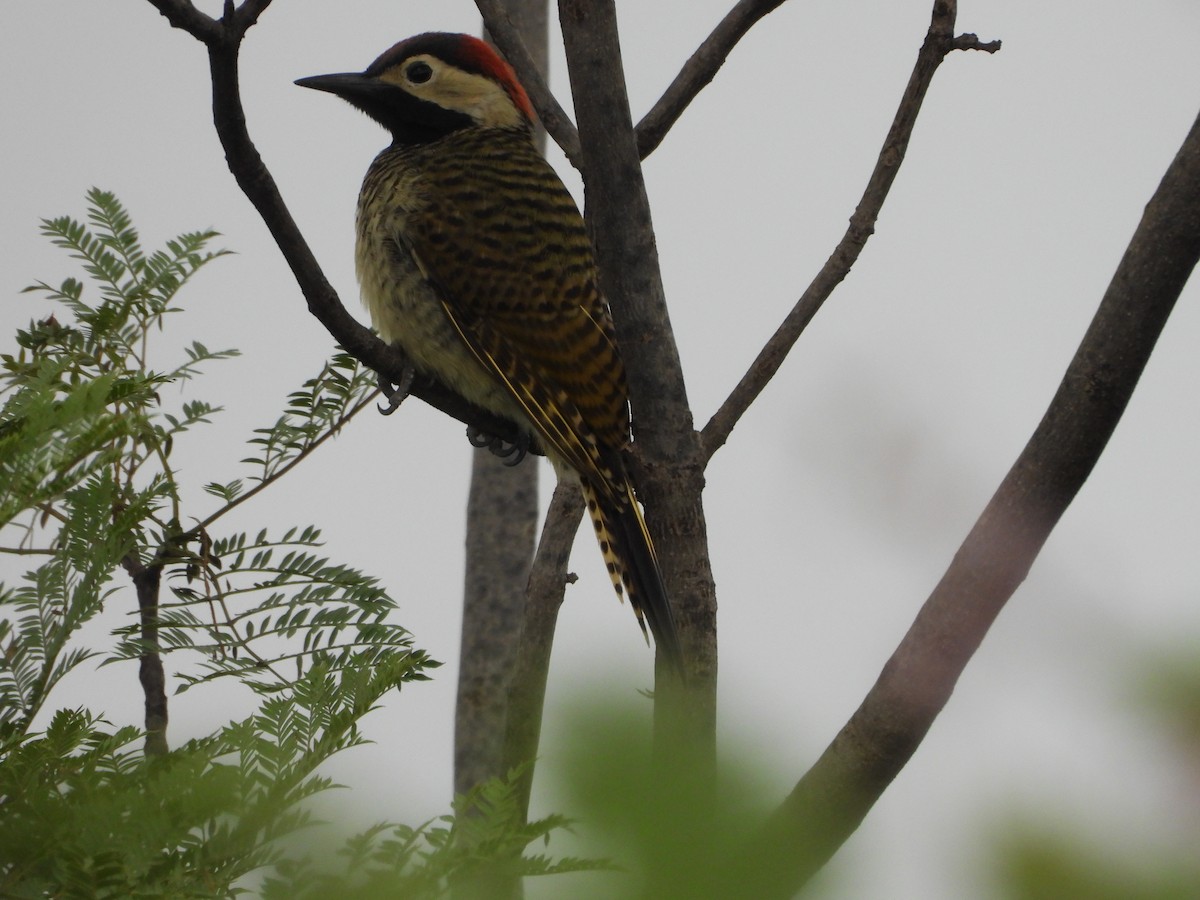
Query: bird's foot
(512, 453)
(395, 393)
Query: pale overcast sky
(842, 496)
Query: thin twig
(181, 14)
(939, 41)
(220, 598)
(279, 473)
(508, 38)
(698, 71)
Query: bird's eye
(419, 72)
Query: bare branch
(548, 580)
(181, 14)
(508, 38)
(698, 71)
(972, 42)
(939, 41)
(249, 11)
(834, 796)
(234, 22)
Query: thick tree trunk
(669, 455)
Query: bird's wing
(525, 301)
(506, 252)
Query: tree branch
(181, 14)
(259, 187)
(833, 797)
(548, 579)
(234, 21)
(147, 580)
(502, 509)
(508, 38)
(939, 41)
(248, 13)
(698, 71)
(670, 471)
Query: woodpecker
(473, 257)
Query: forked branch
(939, 41)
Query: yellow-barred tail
(633, 566)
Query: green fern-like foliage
(478, 846)
(91, 503)
(93, 813)
(265, 611)
(84, 443)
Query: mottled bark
(502, 513)
(547, 585)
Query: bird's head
(430, 85)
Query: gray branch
(939, 41)
(831, 800)
(548, 580)
(700, 69)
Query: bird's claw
(395, 393)
(512, 454)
